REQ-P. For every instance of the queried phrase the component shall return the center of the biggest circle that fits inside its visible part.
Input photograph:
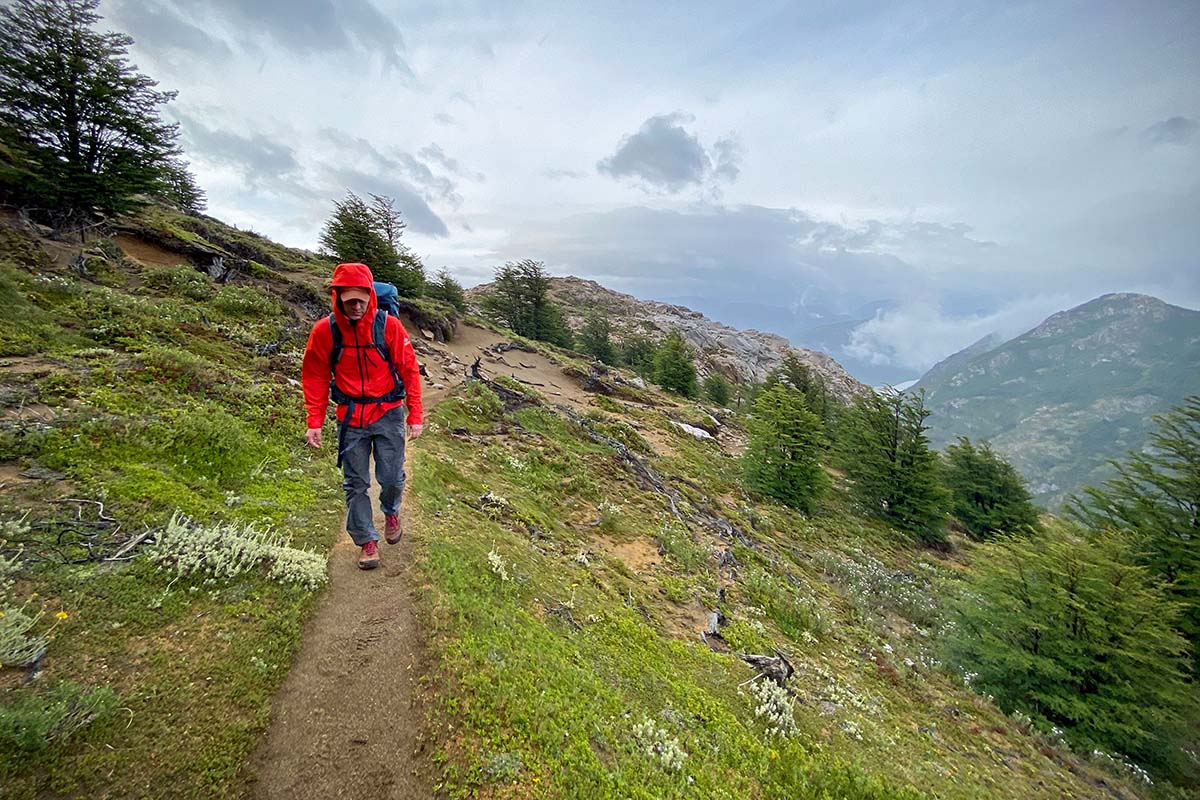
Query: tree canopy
(520, 299)
(1155, 496)
(595, 339)
(370, 234)
(1071, 631)
(893, 473)
(987, 495)
(80, 126)
(673, 367)
(781, 459)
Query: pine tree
(78, 120)
(1071, 632)
(987, 495)
(595, 339)
(448, 290)
(637, 352)
(673, 367)
(350, 236)
(1156, 497)
(178, 186)
(718, 389)
(893, 473)
(781, 459)
(520, 299)
(795, 373)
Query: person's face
(354, 305)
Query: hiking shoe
(391, 528)
(369, 557)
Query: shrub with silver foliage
(226, 551)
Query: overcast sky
(962, 167)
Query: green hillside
(1079, 389)
(570, 551)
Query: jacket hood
(359, 276)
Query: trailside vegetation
(520, 299)
(80, 128)
(1156, 498)
(1072, 632)
(987, 495)
(446, 289)
(795, 373)
(781, 460)
(674, 369)
(893, 473)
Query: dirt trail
(348, 720)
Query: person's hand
(415, 430)
(313, 437)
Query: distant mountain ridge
(741, 355)
(1080, 388)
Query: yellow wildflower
(61, 615)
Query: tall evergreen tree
(673, 367)
(350, 235)
(637, 352)
(987, 495)
(781, 459)
(795, 373)
(893, 473)
(1156, 497)
(178, 186)
(1070, 631)
(448, 290)
(520, 299)
(595, 339)
(78, 120)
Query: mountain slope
(1076, 390)
(742, 355)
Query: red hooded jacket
(360, 372)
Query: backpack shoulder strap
(335, 352)
(379, 335)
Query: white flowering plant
(658, 744)
(226, 551)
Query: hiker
(361, 357)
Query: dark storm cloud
(417, 213)
(159, 29)
(662, 154)
(1176, 130)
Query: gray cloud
(417, 213)
(443, 118)
(263, 162)
(434, 152)
(421, 177)
(1176, 130)
(563, 174)
(159, 29)
(306, 26)
(728, 158)
(664, 155)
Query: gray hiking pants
(386, 437)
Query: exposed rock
(742, 356)
(699, 433)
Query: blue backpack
(388, 298)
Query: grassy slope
(534, 707)
(144, 387)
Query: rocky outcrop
(743, 356)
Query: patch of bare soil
(150, 254)
(26, 365)
(639, 554)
